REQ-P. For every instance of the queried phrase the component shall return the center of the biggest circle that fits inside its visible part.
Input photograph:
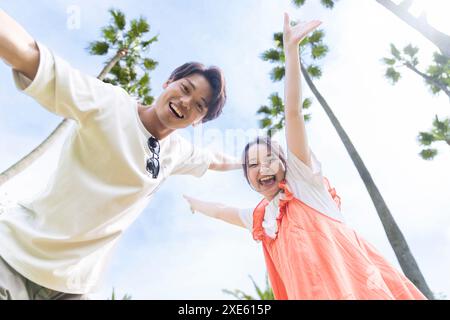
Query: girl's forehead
(259, 150)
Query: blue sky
(170, 254)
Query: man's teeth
(178, 112)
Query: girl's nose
(264, 168)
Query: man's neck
(152, 123)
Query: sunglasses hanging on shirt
(153, 162)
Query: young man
(57, 246)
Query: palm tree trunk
(393, 232)
(440, 39)
(28, 159)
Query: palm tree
(121, 69)
(317, 50)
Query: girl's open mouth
(267, 181)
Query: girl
(309, 252)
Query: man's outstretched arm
(223, 162)
(17, 48)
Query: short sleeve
(297, 169)
(192, 160)
(246, 215)
(66, 91)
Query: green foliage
(314, 71)
(326, 3)
(131, 72)
(277, 73)
(392, 74)
(99, 48)
(262, 294)
(272, 116)
(428, 154)
(439, 71)
(271, 55)
(440, 132)
(437, 75)
(319, 51)
(118, 18)
(113, 296)
(395, 52)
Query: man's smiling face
(184, 101)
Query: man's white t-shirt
(63, 238)
(307, 184)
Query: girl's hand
(192, 202)
(293, 35)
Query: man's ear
(166, 84)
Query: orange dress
(315, 257)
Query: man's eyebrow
(194, 87)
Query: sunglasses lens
(153, 145)
(153, 167)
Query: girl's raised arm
(296, 138)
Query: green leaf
(316, 36)
(146, 43)
(275, 100)
(98, 48)
(272, 55)
(277, 73)
(150, 64)
(110, 34)
(264, 110)
(307, 102)
(266, 122)
(141, 26)
(441, 126)
(425, 138)
(428, 154)
(395, 52)
(410, 50)
(319, 51)
(389, 62)
(145, 79)
(328, 3)
(441, 59)
(392, 75)
(307, 117)
(314, 71)
(119, 18)
(148, 100)
(298, 3)
(278, 39)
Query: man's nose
(186, 103)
